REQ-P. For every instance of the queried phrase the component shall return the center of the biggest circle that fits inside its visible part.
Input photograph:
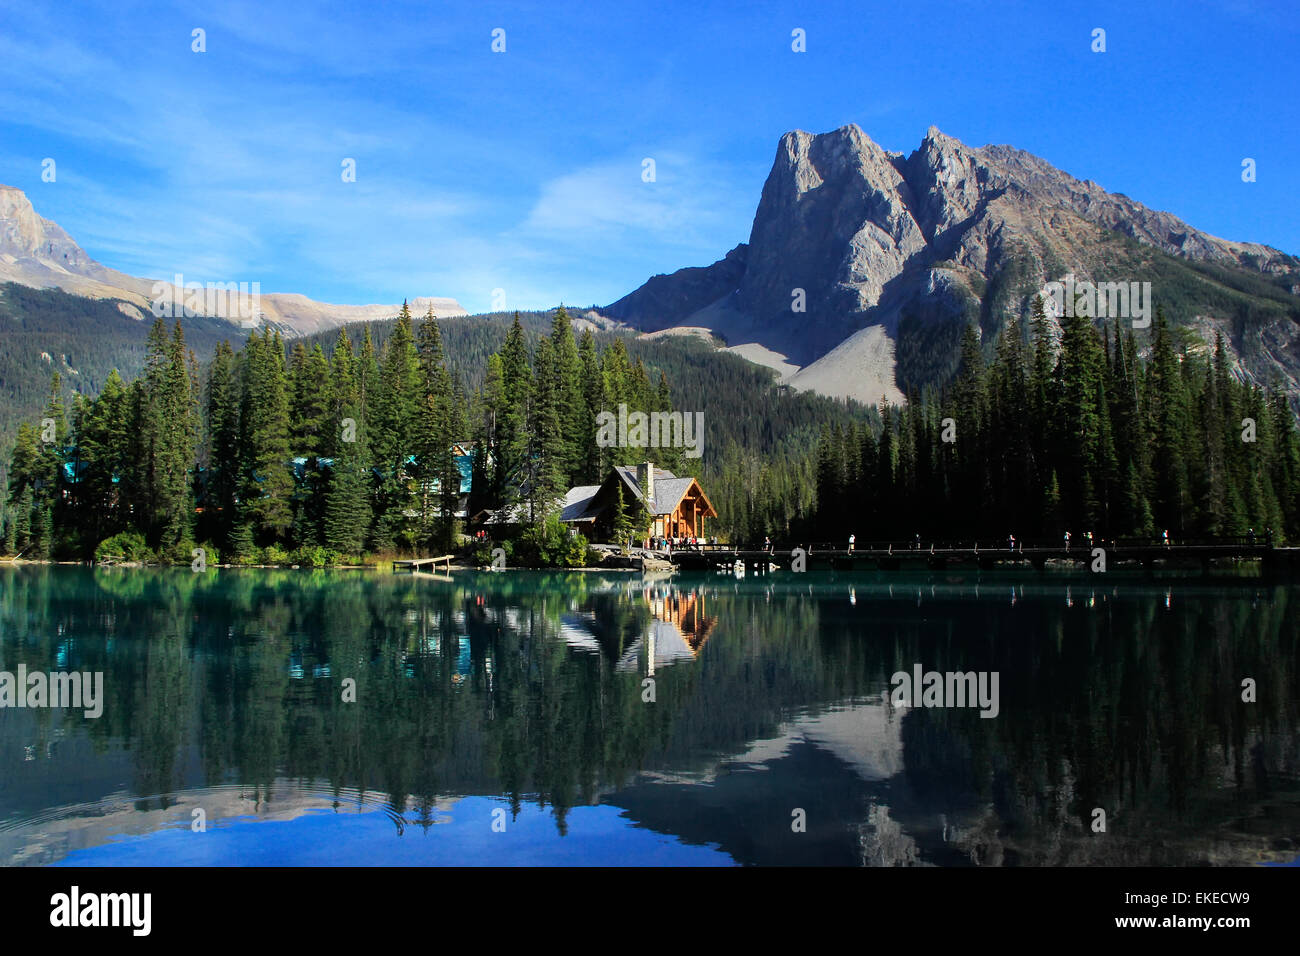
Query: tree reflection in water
(531, 686)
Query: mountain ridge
(945, 235)
(36, 252)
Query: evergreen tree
(490, 467)
(221, 489)
(103, 458)
(547, 453)
(571, 403)
(1169, 494)
(968, 463)
(267, 485)
(392, 434)
(367, 375)
(436, 431)
(624, 526)
(168, 428)
(513, 441)
(1084, 448)
(346, 520)
(29, 489)
(311, 401)
(591, 467)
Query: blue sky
(522, 170)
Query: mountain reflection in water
(528, 718)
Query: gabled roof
(669, 489)
(518, 512)
(577, 501)
(669, 493)
(670, 647)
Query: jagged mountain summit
(38, 253)
(891, 255)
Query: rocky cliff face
(25, 234)
(36, 252)
(835, 221)
(920, 244)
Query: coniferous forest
(278, 456)
(1075, 435)
(275, 455)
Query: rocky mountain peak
(848, 236)
(835, 197)
(948, 179)
(25, 234)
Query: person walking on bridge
(1067, 541)
(852, 538)
(1011, 542)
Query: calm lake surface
(502, 719)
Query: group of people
(1087, 537)
(668, 544)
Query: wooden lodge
(678, 506)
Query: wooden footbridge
(938, 555)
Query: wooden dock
(415, 564)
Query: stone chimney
(645, 476)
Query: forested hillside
(318, 450)
(312, 453)
(43, 331)
(757, 461)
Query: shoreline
(380, 566)
(1236, 570)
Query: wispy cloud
(686, 198)
(241, 178)
(522, 170)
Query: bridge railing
(1257, 540)
(1077, 543)
(896, 547)
(925, 544)
(700, 546)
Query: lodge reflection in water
(769, 695)
(677, 628)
